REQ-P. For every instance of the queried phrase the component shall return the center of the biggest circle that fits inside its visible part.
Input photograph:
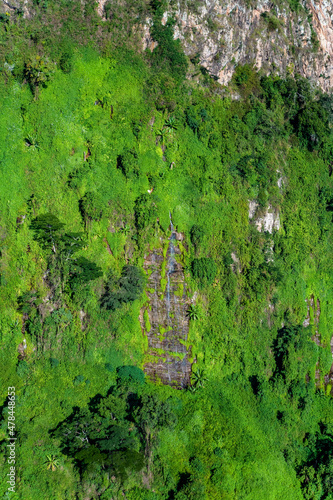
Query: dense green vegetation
(89, 125)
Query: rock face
(269, 221)
(164, 319)
(274, 39)
(224, 33)
(315, 306)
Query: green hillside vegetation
(88, 126)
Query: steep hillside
(166, 266)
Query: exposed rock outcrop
(273, 38)
(225, 33)
(269, 221)
(164, 319)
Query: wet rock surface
(164, 319)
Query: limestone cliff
(223, 33)
(274, 38)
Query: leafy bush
(82, 271)
(127, 288)
(195, 116)
(78, 379)
(311, 124)
(54, 362)
(22, 369)
(145, 211)
(128, 164)
(132, 373)
(47, 229)
(246, 79)
(204, 271)
(91, 206)
(66, 60)
(273, 23)
(38, 70)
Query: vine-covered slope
(100, 145)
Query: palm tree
(198, 378)
(31, 142)
(52, 463)
(126, 229)
(161, 134)
(171, 123)
(192, 312)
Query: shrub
(131, 283)
(145, 211)
(66, 61)
(131, 373)
(91, 206)
(47, 228)
(128, 288)
(273, 23)
(22, 369)
(54, 362)
(204, 271)
(128, 164)
(197, 235)
(83, 271)
(195, 116)
(311, 124)
(246, 79)
(78, 379)
(38, 70)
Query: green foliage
(246, 79)
(197, 235)
(145, 211)
(54, 362)
(51, 463)
(273, 23)
(295, 353)
(168, 52)
(104, 435)
(91, 206)
(198, 379)
(82, 271)
(101, 128)
(38, 70)
(131, 373)
(22, 369)
(78, 379)
(128, 164)
(127, 288)
(66, 60)
(204, 271)
(47, 228)
(193, 312)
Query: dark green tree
(91, 206)
(127, 162)
(47, 228)
(168, 52)
(150, 416)
(82, 271)
(38, 70)
(127, 288)
(197, 235)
